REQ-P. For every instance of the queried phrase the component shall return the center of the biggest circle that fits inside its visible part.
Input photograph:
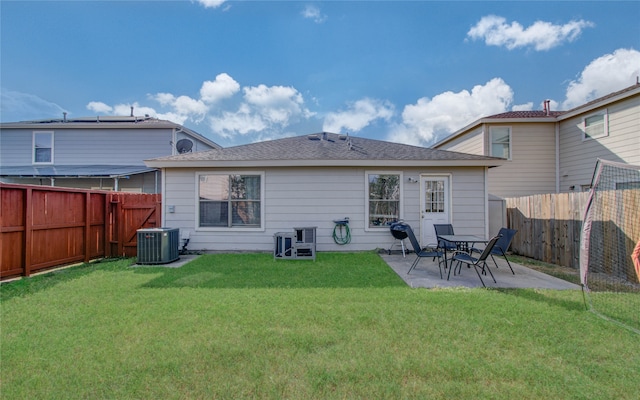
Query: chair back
(443, 229)
(487, 250)
(505, 241)
(413, 240)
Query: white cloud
(164, 99)
(99, 107)
(359, 115)
(313, 12)
(211, 3)
(242, 122)
(276, 104)
(447, 112)
(25, 106)
(221, 88)
(495, 31)
(264, 110)
(523, 107)
(604, 75)
(185, 105)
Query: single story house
(237, 198)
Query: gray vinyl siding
(470, 143)
(101, 146)
(304, 197)
(578, 157)
(16, 147)
(531, 169)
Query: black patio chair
(463, 257)
(501, 247)
(445, 245)
(420, 252)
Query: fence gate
(130, 212)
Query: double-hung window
(230, 200)
(383, 198)
(500, 141)
(595, 125)
(43, 147)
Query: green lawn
(234, 326)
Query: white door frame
(427, 234)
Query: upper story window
(43, 147)
(595, 125)
(383, 200)
(500, 141)
(230, 200)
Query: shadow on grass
(260, 270)
(38, 283)
(567, 299)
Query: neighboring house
(554, 151)
(237, 198)
(92, 153)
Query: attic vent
(313, 137)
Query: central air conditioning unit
(158, 245)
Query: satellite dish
(184, 146)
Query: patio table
(463, 242)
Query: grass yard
(235, 326)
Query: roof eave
(322, 163)
(489, 120)
(599, 104)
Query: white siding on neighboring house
(471, 143)
(531, 169)
(578, 156)
(301, 197)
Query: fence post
(28, 230)
(87, 227)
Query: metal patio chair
(445, 245)
(420, 252)
(479, 264)
(501, 247)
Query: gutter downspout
(486, 202)
(557, 157)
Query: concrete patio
(427, 275)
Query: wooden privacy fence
(549, 227)
(43, 227)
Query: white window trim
(583, 126)
(368, 228)
(33, 148)
(261, 228)
(491, 140)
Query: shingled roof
(323, 149)
(527, 114)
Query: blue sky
(242, 71)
